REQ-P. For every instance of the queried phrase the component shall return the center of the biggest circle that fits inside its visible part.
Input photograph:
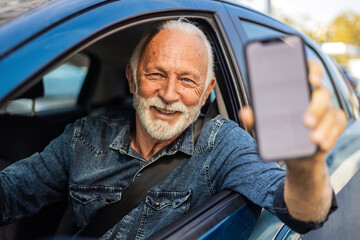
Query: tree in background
(345, 28)
(300, 26)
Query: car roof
(33, 20)
(12, 9)
(33, 17)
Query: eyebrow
(196, 74)
(158, 68)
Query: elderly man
(171, 76)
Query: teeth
(165, 111)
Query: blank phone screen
(280, 95)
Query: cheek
(148, 89)
(190, 97)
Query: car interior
(103, 90)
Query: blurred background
(332, 23)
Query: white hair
(182, 25)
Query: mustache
(157, 102)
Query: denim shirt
(92, 162)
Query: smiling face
(170, 88)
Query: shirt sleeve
(281, 211)
(34, 182)
(237, 167)
(235, 164)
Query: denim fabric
(92, 162)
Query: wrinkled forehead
(170, 44)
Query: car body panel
(238, 225)
(52, 33)
(344, 166)
(39, 20)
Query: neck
(144, 144)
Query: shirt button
(157, 204)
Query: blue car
(63, 60)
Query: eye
(187, 80)
(156, 74)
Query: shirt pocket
(162, 208)
(87, 200)
(163, 199)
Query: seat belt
(132, 196)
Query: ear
(208, 90)
(129, 76)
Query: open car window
(112, 53)
(99, 83)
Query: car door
(343, 160)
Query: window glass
(61, 88)
(351, 102)
(256, 31)
(311, 55)
(67, 79)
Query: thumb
(247, 117)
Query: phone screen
(280, 95)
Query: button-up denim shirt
(92, 162)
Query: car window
(61, 88)
(311, 55)
(256, 31)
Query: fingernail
(310, 120)
(317, 136)
(318, 78)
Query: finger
(319, 104)
(320, 135)
(315, 73)
(335, 131)
(329, 129)
(246, 116)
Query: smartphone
(280, 94)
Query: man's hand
(308, 190)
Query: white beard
(160, 129)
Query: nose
(168, 91)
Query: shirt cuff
(281, 211)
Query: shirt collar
(184, 143)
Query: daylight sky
(316, 12)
